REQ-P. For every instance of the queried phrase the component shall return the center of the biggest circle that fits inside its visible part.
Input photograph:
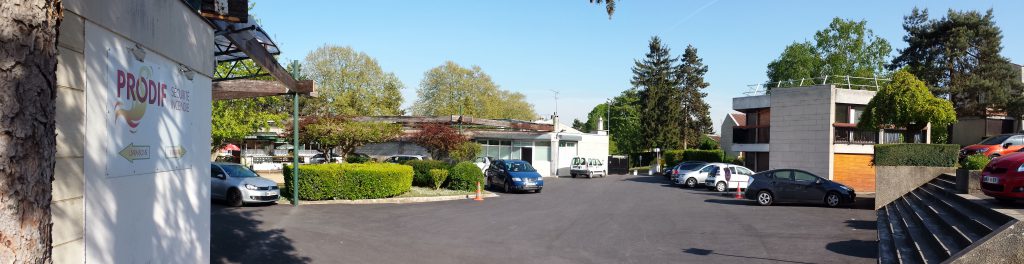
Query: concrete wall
(726, 132)
(801, 129)
(593, 146)
(751, 102)
(891, 182)
(847, 96)
(151, 217)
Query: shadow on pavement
(706, 252)
(731, 201)
(235, 237)
(862, 224)
(856, 248)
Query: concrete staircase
(933, 224)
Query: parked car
(403, 158)
(995, 146)
(587, 167)
(727, 176)
(1003, 178)
(514, 175)
(318, 159)
(483, 163)
(238, 185)
(789, 185)
(686, 171)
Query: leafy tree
(655, 77)
(332, 132)
(440, 139)
(707, 143)
(450, 88)
(578, 125)
(350, 83)
(466, 151)
(232, 120)
(906, 103)
(625, 128)
(28, 90)
(958, 56)
(845, 47)
(696, 113)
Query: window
(783, 175)
(708, 169)
(996, 140)
(520, 167)
(842, 113)
(804, 176)
(542, 151)
(1017, 141)
(578, 161)
(237, 171)
(857, 111)
(744, 171)
(214, 170)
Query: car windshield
(237, 171)
(520, 167)
(996, 140)
(690, 166)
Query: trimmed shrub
(703, 155)
(438, 176)
(974, 162)
(421, 171)
(357, 159)
(464, 176)
(350, 181)
(926, 155)
(672, 157)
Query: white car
(728, 176)
(589, 167)
(483, 163)
(403, 158)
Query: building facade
(812, 128)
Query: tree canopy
(655, 77)
(232, 120)
(845, 47)
(330, 132)
(440, 139)
(350, 83)
(447, 88)
(958, 56)
(906, 103)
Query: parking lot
(618, 219)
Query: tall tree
(450, 88)
(655, 77)
(579, 125)
(958, 56)
(350, 83)
(906, 103)
(232, 120)
(28, 90)
(845, 47)
(696, 119)
(609, 6)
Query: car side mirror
(219, 176)
(1007, 145)
(818, 181)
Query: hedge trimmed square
(421, 171)
(350, 181)
(925, 155)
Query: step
(886, 246)
(927, 243)
(947, 177)
(970, 228)
(942, 224)
(987, 217)
(950, 186)
(904, 243)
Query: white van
(589, 167)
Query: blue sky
(571, 46)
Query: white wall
(149, 216)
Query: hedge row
(464, 176)
(350, 181)
(675, 156)
(421, 171)
(927, 155)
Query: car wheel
(507, 183)
(574, 175)
(538, 190)
(765, 198)
(234, 198)
(603, 174)
(832, 199)
(590, 176)
(721, 187)
(691, 183)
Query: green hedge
(421, 171)
(975, 162)
(464, 176)
(703, 155)
(437, 177)
(350, 181)
(673, 157)
(927, 155)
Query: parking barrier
(478, 196)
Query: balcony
(851, 135)
(750, 135)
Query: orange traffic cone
(478, 196)
(739, 193)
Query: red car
(1003, 178)
(995, 146)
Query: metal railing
(840, 81)
(851, 135)
(753, 135)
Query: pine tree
(661, 111)
(696, 120)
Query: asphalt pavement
(618, 219)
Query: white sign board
(146, 99)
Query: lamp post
(295, 138)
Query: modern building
(812, 128)
(725, 141)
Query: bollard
(478, 196)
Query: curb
(400, 200)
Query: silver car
(238, 185)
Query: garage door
(566, 151)
(855, 170)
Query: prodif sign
(149, 106)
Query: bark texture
(28, 88)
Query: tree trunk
(28, 89)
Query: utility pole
(295, 138)
(608, 105)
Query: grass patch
(428, 192)
(644, 168)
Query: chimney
(600, 126)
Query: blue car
(514, 175)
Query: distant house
(731, 120)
